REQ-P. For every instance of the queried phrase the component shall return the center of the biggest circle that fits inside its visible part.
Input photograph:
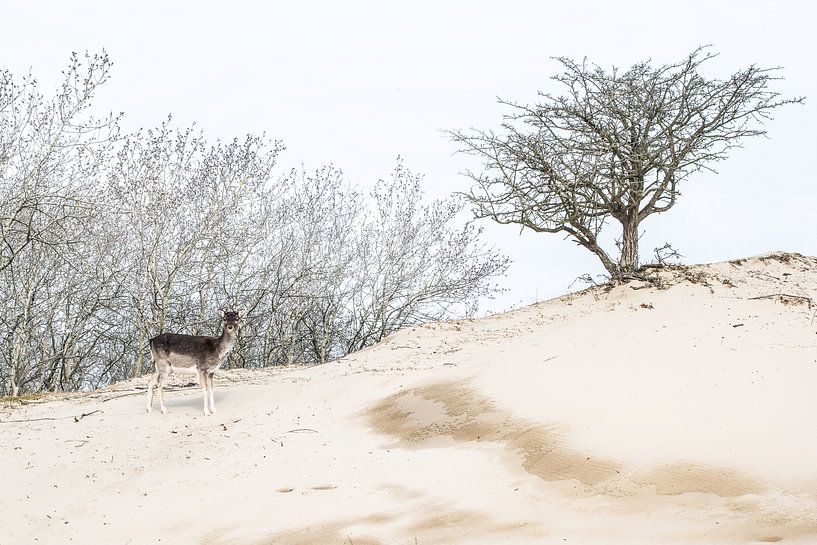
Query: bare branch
(614, 146)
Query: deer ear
(242, 313)
(221, 313)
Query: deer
(194, 355)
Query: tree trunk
(13, 387)
(14, 371)
(137, 364)
(628, 261)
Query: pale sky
(359, 83)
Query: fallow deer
(192, 354)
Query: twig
(302, 429)
(76, 418)
(782, 295)
(83, 415)
(30, 420)
(641, 287)
(654, 280)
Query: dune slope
(638, 414)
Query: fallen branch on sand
(302, 429)
(784, 296)
(83, 415)
(76, 418)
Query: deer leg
(210, 390)
(203, 382)
(162, 377)
(151, 385)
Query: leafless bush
(107, 241)
(53, 151)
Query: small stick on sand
(76, 418)
(782, 295)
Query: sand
(612, 416)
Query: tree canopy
(614, 147)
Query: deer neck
(226, 341)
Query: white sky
(358, 83)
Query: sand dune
(612, 416)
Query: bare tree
(330, 217)
(186, 210)
(51, 151)
(615, 146)
(107, 241)
(417, 263)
